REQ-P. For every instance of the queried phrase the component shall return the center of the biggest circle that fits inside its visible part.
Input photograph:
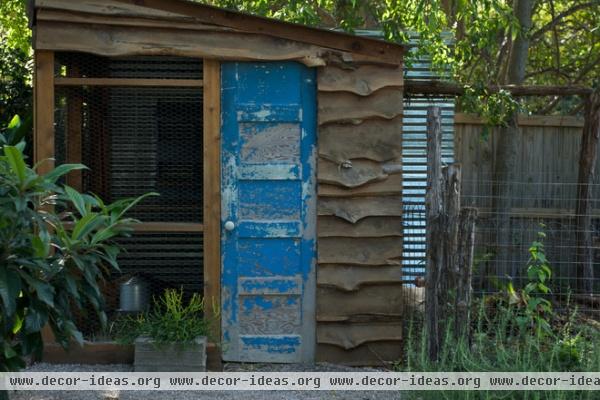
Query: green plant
(533, 309)
(171, 320)
(55, 247)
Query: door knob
(229, 225)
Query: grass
(500, 344)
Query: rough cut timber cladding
(182, 28)
(361, 303)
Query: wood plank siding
(361, 303)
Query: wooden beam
(128, 82)
(43, 135)
(161, 227)
(539, 212)
(212, 192)
(434, 87)
(384, 51)
(168, 227)
(563, 121)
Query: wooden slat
(379, 354)
(355, 209)
(387, 187)
(167, 227)
(342, 107)
(253, 24)
(107, 7)
(128, 82)
(376, 139)
(120, 20)
(352, 277)
(350, 174)
(526, 120)
(360, 251)
(390, 300)
(362, 80)
(534, 213)
(212, 192)
(115, 41)
(351, 335)
(367, 227)
(44, 110)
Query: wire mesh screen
(138, 140)
(541, 210)
(135, 140)
(83, 65)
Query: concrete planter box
(172, 357)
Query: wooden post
(587, 165)
(463, 270)
(451, 215)
(43, 133)
(212, 193)
(433, 207)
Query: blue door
(268, 211)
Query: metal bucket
(134, 295)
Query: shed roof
(177, 13)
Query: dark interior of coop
(138, 132)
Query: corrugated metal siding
(414, 159)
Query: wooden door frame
(43, 146)
(212, 194)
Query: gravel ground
(189, 395)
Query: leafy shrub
(51, 261)
(171, 320)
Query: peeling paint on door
(268, 183)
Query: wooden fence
(543, 190)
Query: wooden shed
(270, 144)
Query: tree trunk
(508, 145)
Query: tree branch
(555, 21)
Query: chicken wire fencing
(539, 210)
(137, 138)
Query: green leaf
(16, 162)
(135, 201)
(86, 225)
(17, 325)
(77, 199)
(40, 247)
(44, 291)
(103, 235)
(36, 318)
(9, 352)
(14, 123)
(61, 170)
(10, 286)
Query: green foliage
(533, 309)
(500, 345)
(50, 262)
(16, 131)
(15, 82)
(518, 330)
(171, 320)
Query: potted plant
(171, 337)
